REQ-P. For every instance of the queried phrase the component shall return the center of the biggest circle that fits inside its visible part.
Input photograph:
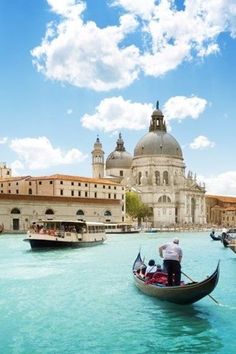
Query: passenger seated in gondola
(151, 269)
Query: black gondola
(214, 237)
(183, 295)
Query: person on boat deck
(172, 254)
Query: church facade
(156, 171)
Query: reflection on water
(178, 329)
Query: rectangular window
(72, 193)
(104, 187)
(95, 186)
(79, 184)
(61, 192)
(72, 183)
(114, 196)
(29, 183)
(86, 194)
(86, 185)
(95, 195)
(79, 193)
(121, 173)
(40, 182)
(61, 182)
(50, 182)
(17, 191)
(109, 195)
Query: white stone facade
(157, 173)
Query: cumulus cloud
(38, 153)
(84, 55)
(201, 143)
(222, 184)
(115, 113)
(181, 107)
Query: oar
(217, 302)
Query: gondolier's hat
(176, 240)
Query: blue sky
(73, 69)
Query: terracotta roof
(13, 179)
(107, 181)
(222, 198)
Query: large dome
(119, 158)
(158, 141)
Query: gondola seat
(158, 277)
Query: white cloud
(181, 107)
(85, 55)
(69, 111)
(38, 153)
(67, 8)
(82, 54)
(3, 140)
(115, 113)
(141, 8)
(223, 184)
(16, 167)
(201, 143)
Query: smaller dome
(119, 158)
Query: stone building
(157, 172)
(221, 210)
(26, 199)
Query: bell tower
(98, 159)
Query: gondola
(183, 295)
(214, 237)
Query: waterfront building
(221, 210)
(27, 199)
(156, 170)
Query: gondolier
(172, 254)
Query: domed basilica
(157, 172)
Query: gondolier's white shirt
(171, 251)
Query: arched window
(49, 212)
(107, 213)
(15, 211)
(164, 199)
(80, 212)
(30, 190)
(157, 178)
(165, 178)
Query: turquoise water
(84, 300)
